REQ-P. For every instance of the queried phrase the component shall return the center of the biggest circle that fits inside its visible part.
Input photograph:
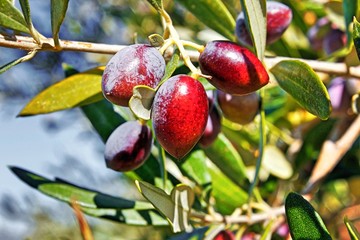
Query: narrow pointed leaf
(175, 207)
(351, 9)
(356, 36)
(255, 17)
(77, 90)
(58, 11)
(129, 216)
(25, 6)
(275, 162)
(194, 166)
(223, 154)
(209, 12)
(353, 232)
(157, 4)
(68, 192)
(304, 221)
(11, 17)
(303, 84)
(171, 66)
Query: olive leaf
(275, 162)
(356, 36)
(157, 4)
(171, 66)
(304, 221)
(25, 6)
(175, 207)
(255, 17)
(11, 17)
(304, 85)
(351, 9)
(11, 64)
(355, 103)
(58, 11)
(141, 101)
(77, 90)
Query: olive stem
(262, 142)
(28, 44)
(198, 47)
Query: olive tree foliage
(254, 179)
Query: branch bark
(29, 44)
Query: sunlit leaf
(210, 12)
(353, 232)
(58, 12)
(223, 154)
(68, 192)
(157, 4)
(175, 207)
(227, 194)
(356, 36)
(255, 17)
(303, 84)
(304, 222)
(11, 17)
(141, 101)
(25, 6)
(129, 216)
(351, 8)
(77, 90)
(276, 163)
(194, 166)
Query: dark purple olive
(213, 126)
(339, 96)
(334, 40)
(128, 146)
(278, 19)
(138, 64)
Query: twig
(331, 153)
(28, 44)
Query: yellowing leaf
(77, 90)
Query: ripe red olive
(239, 109)
(234, 69)
(225, 235)
(278, 18)
(128, 146)
(137, 64)
(179, 114)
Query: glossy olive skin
(239, 109)
(225, 235)
(137, 64)
(213, 126)
(179, 114)
(278, 19)
(234, 69)
(128, 146)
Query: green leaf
(171, 66)
(223, 154)
(356, 36)
(58, 12)
(255, 17)
(303, 84)
(351, 8)
(25, 6)
(227, 194)
(194, 166)
(76, 90)
(353, 232)
(210, 12)
(11, 64)
(175, 207)
(67, 192)
(129, 216)
(304, 222)
(157, 4)
(276, 163)
(11, 17)
(141, 101)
